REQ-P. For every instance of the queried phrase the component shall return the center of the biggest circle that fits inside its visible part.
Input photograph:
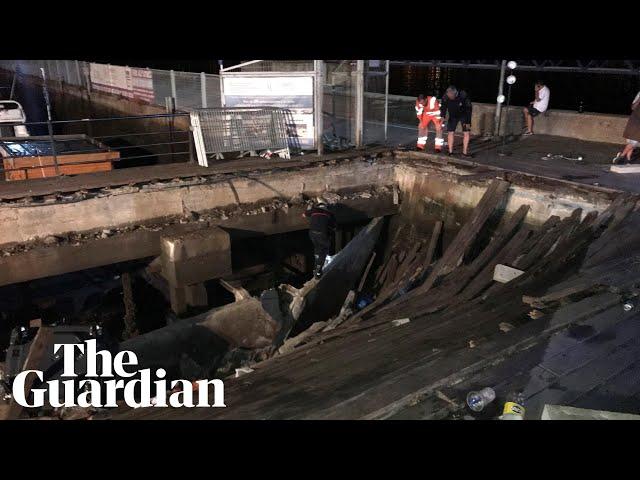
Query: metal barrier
(138, 140)
(190, 90)
(217, 131)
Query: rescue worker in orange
(427, 111)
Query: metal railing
(139, 140)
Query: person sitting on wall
(537, 106)
(631, 133)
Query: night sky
(596, 92)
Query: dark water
(32, 100)
(597, 92)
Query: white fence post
(203, 89)
(173, 88)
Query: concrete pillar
(195, 257)
(182, 297)
(189, 259)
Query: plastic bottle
(480, 399)
(513, 407)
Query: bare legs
(465, 142)
(627, 151)
(529, 119)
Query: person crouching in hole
(322, 223)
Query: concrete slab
(562, 412)
(504, 273)
(625, 168)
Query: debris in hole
(504, 273)
(478, 400)
(400, 321)
(243, 371)
(505, 327)
(536, 314)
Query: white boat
(12, 119)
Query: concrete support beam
(195, 257)
(191, 258)
(44, 262)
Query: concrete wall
(430, 195)
(597, 127)
(22, 224)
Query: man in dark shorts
(537, 106)
(322, 223)
(459, 106)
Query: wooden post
(130, 329)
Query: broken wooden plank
(366, 272)
(467, 235)
(551, 299)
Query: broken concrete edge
(66, 190)
(513, 176)
(198, 220)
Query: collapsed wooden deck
(558, 332)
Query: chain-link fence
(190, 90)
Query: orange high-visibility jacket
(429, 107)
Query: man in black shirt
(322, 223)
(459, 106)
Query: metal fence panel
(188, 93)
(213, 91)
(161, 85)
(223, 130)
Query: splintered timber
(105, 385)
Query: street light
(511, 79)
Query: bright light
(511, 79)
(512, 65)
(500, 99)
